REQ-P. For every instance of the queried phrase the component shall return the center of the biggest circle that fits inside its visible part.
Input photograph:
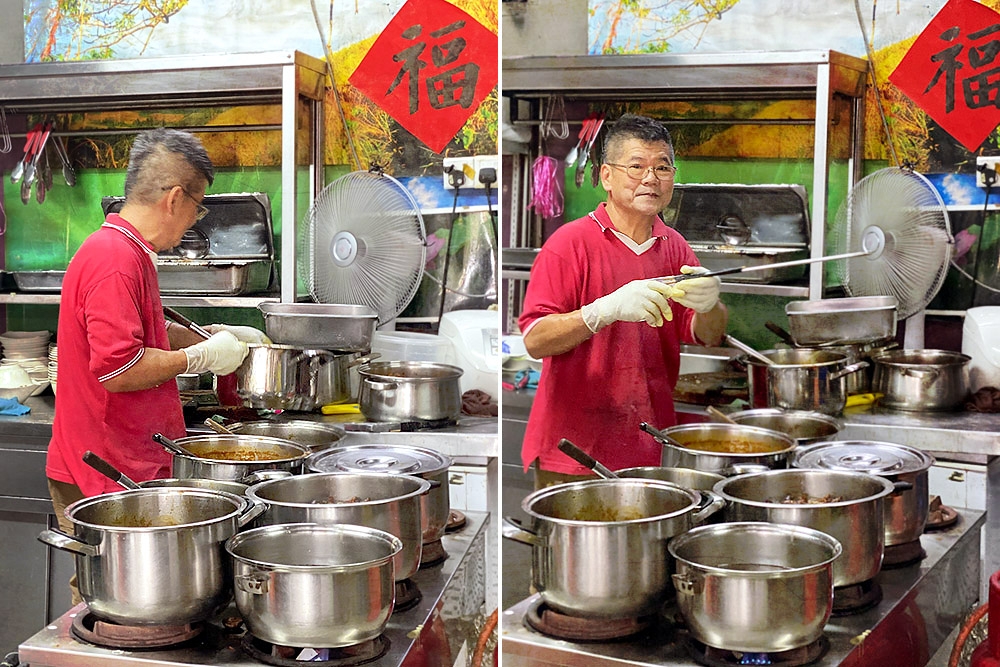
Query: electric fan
(899, 222)
(363, 242)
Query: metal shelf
(816, 75)
(294, 80)
(182, 301)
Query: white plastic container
(981, 341)
(411, 346)
(475, 341)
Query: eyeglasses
(662, 172)
(202, 209)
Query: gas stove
(220, 643)
(920, 606)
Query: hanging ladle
(171, 446)
(743, 347)
(108, 470)
(582, 457)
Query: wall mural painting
(103, 29)
(717, 26)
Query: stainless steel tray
(218, 277)
(849, 321)
(38, 281)
(718, 258)
(341, 327)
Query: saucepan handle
(513, 530)
(847, 370)
(60, 540)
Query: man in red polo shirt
(117, 356)
(609, 336)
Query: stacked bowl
(53, 366)
(28, 350)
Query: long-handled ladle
(582, 457)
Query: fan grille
(899, 217)
(363, 242)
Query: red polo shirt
(598, 393)
(110, 311)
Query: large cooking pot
(754, 587)
(385, 502)
(236, 488)
(599, 547)
(283, 377)
(153, 556)
(314, 435)
(906, 509)
(397, 391)
(803, 426)
(236, 458)
(427, 464)
(724, 449)
(921, 380)
(801, 379)
(699, 480)
(845, 505)
(310, 585)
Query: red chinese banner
(952, 71)
(430, 69)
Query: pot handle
(365, 359)
(686, 584)
(60, 540)
(847, 370)
(743, 468)
(255, 509)
(711, 503)
(381, 386)
(256, 476)
(925, 375)
(252, 584)
(513, 530)
(899, 486)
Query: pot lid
(385, 458)
(878, 458)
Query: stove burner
(456, 521)
(719, 657)
(548, 621)
(287, 656)
(940, 517)
(901, 555)
(856, 598)
(92, 630)
(407, 595)
(432, 553)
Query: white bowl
(13, 376)
(40, 387)
(20, 393)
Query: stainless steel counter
(454, 589)
(921, 604)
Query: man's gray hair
(633, 126)
(162, 158)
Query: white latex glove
(245, 334)
(221, 354)
(638, 301)
(698, 294)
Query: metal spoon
(170, 445)
(743, 347)
(720, 415)
(108, 470)
(582, 457)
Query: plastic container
(411, 346)
(475, 342)
(981, 341)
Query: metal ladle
(108, 470)
(170, 445)
(743, 347)
(582, 457)
(660, 435)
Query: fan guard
(363, 242)
(898, 219)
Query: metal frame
(278, 77)
(817, 75)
